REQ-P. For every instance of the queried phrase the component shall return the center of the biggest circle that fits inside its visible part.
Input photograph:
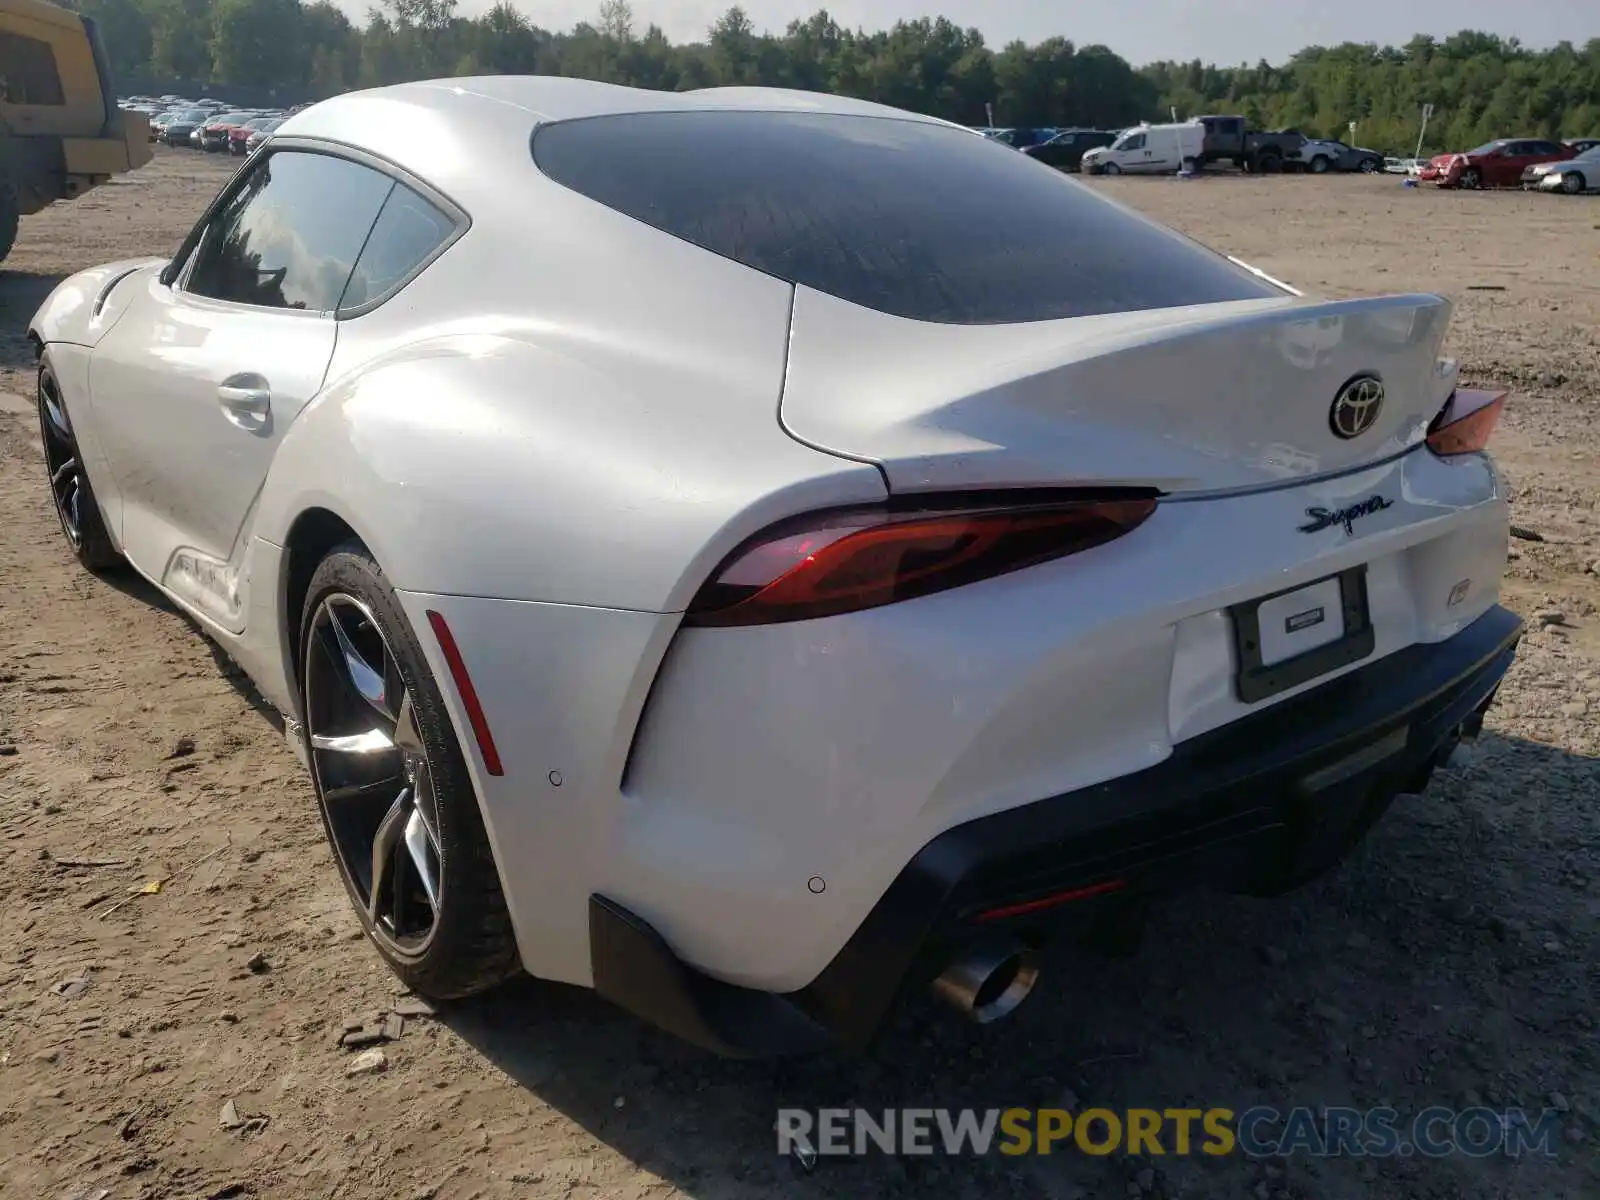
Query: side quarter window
(408, 231)
(291, 233)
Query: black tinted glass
(289, 237)
(917, 220)
(407, 231)
(28, 71)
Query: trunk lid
(1213, 397)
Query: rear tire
(70, 491)
(1270, 164)
(434, 909)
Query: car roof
(445, 130)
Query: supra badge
(1355, 409)
(1327, 518)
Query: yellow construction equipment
(61, 132)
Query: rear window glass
(917, 220)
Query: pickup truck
(1230, 139)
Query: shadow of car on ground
(1443, 964)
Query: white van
(1149, 149)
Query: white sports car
(1573, 176)
(751, 552)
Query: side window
(1136, 142)
(290, 235)
(28, 73)
(407, 231)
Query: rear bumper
(1255, 805)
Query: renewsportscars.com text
(1260, 1132)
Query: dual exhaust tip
(990, 981)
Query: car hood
(85, 305)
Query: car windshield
(901, 216)
(1486, 148)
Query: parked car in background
(1494, 164)
(1065, 150)
(176, 132)
(214, 134)
(1583, 144)
(1149, 150)
(159, 123)
(240, 134)
(1319, 156)
(1230, 139)
(261, 133)
(1573, 176)
(1021, 139)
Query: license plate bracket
(1257, 679)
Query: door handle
(246, 401)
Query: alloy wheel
(61, 459)
(373, 778)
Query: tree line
(1481, 86)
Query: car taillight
(849, 560)
(1465, 422)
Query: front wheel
(75, 505)
(397, 802)
(1319, 165)
(1573, 182)
(1111, 169)
(1471, 179)
(1371, 166)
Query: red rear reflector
(1052, 900)
(468, 694)
(846, 561)
(1464, 424)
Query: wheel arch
(312, 536)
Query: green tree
(257, 42)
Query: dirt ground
(1452, 962)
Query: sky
(1216, 31)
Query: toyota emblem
(1356, 407)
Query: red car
(239, 135)
(1496, 164)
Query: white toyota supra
(753, 553)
